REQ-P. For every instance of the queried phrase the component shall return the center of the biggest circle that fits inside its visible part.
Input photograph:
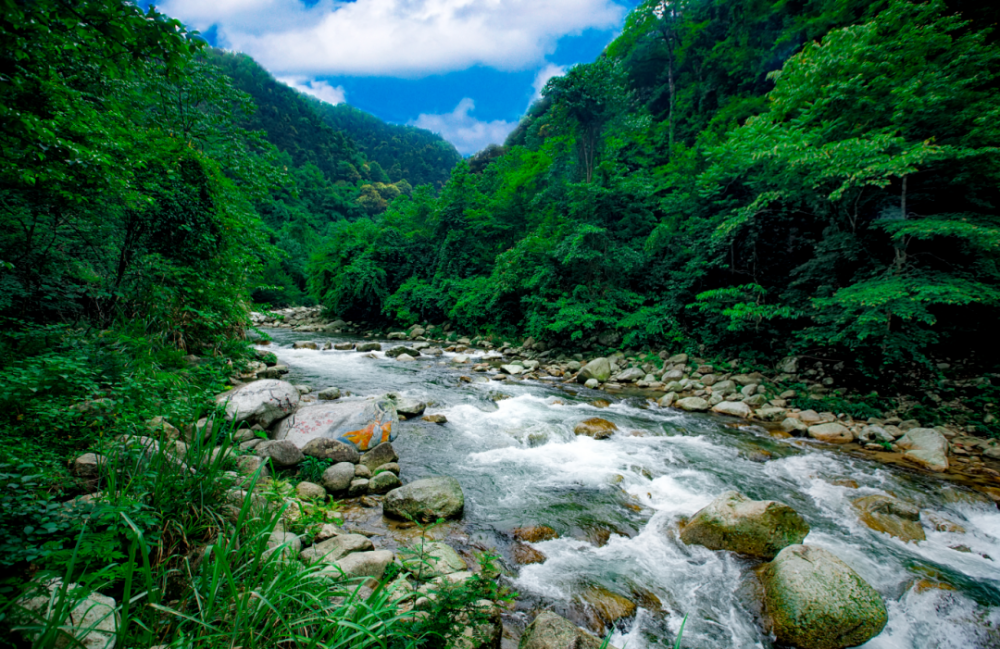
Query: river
(616, 503)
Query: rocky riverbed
(592, 495)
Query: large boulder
(551, 631)
(813, 600)
(260, 402)
(758, 528)
(426, 500)
(429, 559)
(378, 456)
(891, 516)
(408, 407)
(338, 477)
(599, 369)
(926, 447)
(383, 482)
(89, 621)
(362, 423)
(630, 375)
(595, 427)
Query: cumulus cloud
(405, 38)
(321, 90)
(549, 71)
(467, 133)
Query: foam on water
(519, 463)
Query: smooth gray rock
(551, 631)
(289, 543)
(733, 408)
(262, 402)
(381, 454)
(338, 477)
(363, 564)
(363, 422)
(757, 528)
(359, 487)
(692, 404)
(426, 500)
(926, 447)
(336, 548)
(599, 368)
(90, 622)
(281, 452)
(329, 394)
(368, 347)
(631, 375)
(430, 559)
(310, 491)
(409, 407)
(325, 448)
(813, 600)
(383, 482)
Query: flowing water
(616, 504)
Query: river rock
(361, 423)
(794, 426)
(305, 344)
(280, 452)
(535, 533)
(876, 434)
(513, 370)
(363, 564)
(605, 608)
(368, 347)
(310, 491)
(758, 528)
(359, 487)
(408, 407)
(426, 500)
(383, 482)
(260, 402)
(88, 466)
(592, 384)
(599, 368)
(734, 408)
(338, 477)
(399, 351)
(926, 447)
(325, 448)
(595, 427)
(289, 543)
(329, 394)
(403, 358)
(631, 375)
(90, 622)
(381, 454)
(891, 516)
(832, 433)
(813, 600)
(526, 555)
(430, 559)
(551, 631)
(435, 419)
(667, 400)
(692, 404)
(336, 548)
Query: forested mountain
(764, 178)
(404, 152)
(331, 179)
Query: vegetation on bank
(131, 194)
(751, 179)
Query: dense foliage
(403, 152)
(343, 164)
(763, 178)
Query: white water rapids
(519, 463)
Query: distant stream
(616, 503)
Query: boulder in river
(599, 368)
(328, 394)
(692, 404)
(336, 548)
(831, 433)
(426, 500)
(595, 427)
(535, 533)
(891, 516)
(758, 528)
(368, 347)
(338, 477)
(384, 482)
(813, 600)
(926, 447)
(260, 402)
(408, 407)
(604, 608)
(734, 408)
(361, 423)
(378, 456)
(551, 631)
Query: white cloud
(549, 71)
(406, 38)
(321, 90)
(467, 133)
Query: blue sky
(466, 69)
